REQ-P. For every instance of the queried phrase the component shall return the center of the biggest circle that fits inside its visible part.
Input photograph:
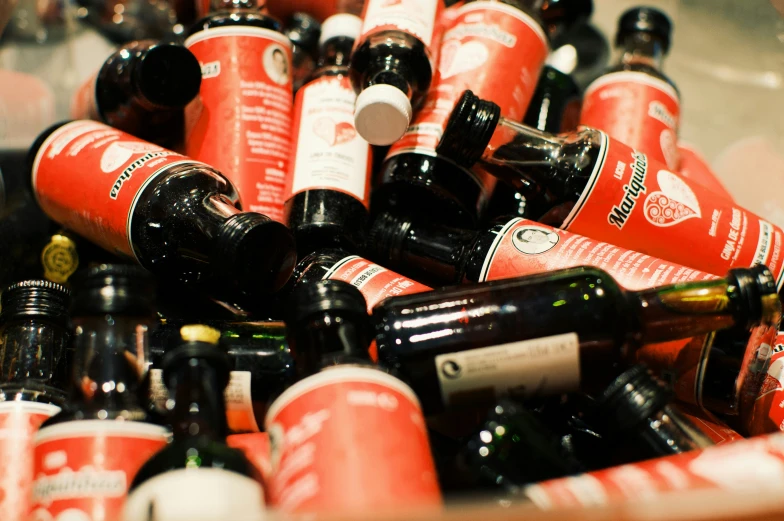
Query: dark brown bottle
(34, 356)
(303, 30)
(329, 171)
(196, 373)
(142, 89)
(551, 333)
(635, 416)
(634, 102)
(174, 216)
(598, 187)
(106, 418)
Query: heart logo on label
(460, 58)
(118, 153)
(334, 133)
(674, 203)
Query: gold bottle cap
(200, 333)
(59, 258)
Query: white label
(417, 17)
(525, 368)
(329, 152)
(237, 396)
(198, 494)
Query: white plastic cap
(347, 25)
(382, 114)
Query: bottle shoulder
(241, 18)
(645, 69)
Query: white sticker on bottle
(329, 152)
(197, 494)
(526, 368)
(417, 17)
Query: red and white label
(491, 48)
(374, 282)
(349, 439)
(694, 167)
(256, 447)
(84, 105)
(196, 494)
(83, 468)
(237, 397)
(415, 17)
(709, 425)
(19, 421)
(752, 465)
(241, 123)
(88, 176)
(637, 109)
(524, 247)
(636, 203)
(329, 153)
(768, 410)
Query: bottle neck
(328, 339)
(685, 310)
(199, 409)
(641, 49)
(430, 249)
(33, 353)
(335, 54)
(111, 355)
(667, 432)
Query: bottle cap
(314, 298)
(756, 296)
(630, 399)
(382, 114)
(385, 237)
(113, 288)
(645, 20)
(469, 129)
(168, 76)
(198, 341)
(346, 25)
(253, 254)
(30, 298)
(303, 30)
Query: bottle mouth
(469, 129)
(631, 398)
(169, 76)
(385, 238)
(113, 288)
(756, 296)
(253, 255)
(31, 298)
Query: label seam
(494, 247)
(591, 184)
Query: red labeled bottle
(241, 123)
(497, 48)
(341, 399)
(375, 282)
(694, 167)
(175, 216)
(599, 187)
(181, 480)
(751, 464)
(392, 65)
(35, 358)
(634, 102)
(328, 183)
(510, 248)
(303, 30)
(142, 89)
(715, 429)
(767, 413)
(551, 333)
(86, 455)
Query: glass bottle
(551, 333)
(598, 187)
(104, 435)
(175, 216)
(142, 89)
(328, 189)
(181, 480)
(303, 30)
(344, 405)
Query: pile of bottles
(380, 260)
